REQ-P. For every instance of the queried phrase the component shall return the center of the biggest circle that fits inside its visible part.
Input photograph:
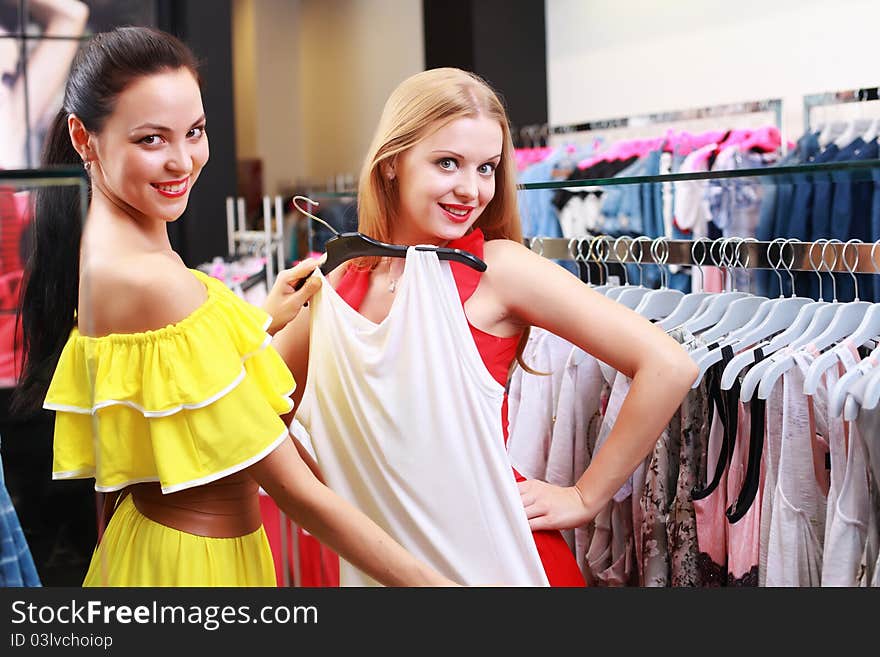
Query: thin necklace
(392, 285)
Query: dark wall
(503, 41)
(206, 26)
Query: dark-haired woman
(164, 383)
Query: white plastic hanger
(615, 292)
(845, 323)
(847, 383)
(871, 132)
(658, 304)
(867, 330)
(782, 314)
(599, 249)
(830, 131)
(718, 304)
(575, 253)
(846, 137)
(690, 305)
(765, 375)
(632, 297)
(866, 393)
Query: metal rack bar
(837, 98)
(736, 253)
(727, 109)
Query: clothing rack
(269, 241)
(730, 253)
(728, 109)
(837, 98)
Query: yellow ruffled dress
(183, 405)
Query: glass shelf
(855, 171)
(852, 171)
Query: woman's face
(153, 146)
(446, 181)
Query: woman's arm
(537, 292)
(338, 524)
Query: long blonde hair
(420, 105)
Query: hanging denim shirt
(621, 206)
(652, 197)
(776, 208)
(851, 214)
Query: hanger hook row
(572, 252)
(832, 267)
(537, 245)
(815, 267)
(780, 241)
(855, 244)
(744, 264)
(791, 242)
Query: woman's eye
(195, 132)
(486, 169)
(150, 140)
(447, 163)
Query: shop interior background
(294, 89)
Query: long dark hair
(103, 68)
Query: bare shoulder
(510, 261)
(502, 255)
(143, 292)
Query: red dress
(497, 354)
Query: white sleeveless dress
(404, 421)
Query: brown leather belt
(223, 509)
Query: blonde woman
(409, 423)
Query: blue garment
(652, 197)
(16, 563)
(776, 209)
(538, 216)
(851, 214)
(801, 218)
(825, 188)
(621, 205)
(875, 222)
(537, 213)
(822, 227)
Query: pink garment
(711, 522)
(743, 536)
(712, 280)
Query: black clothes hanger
(725, 402)
(752, 478)
(345, 246)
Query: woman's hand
(284, 302)
(553, 507)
